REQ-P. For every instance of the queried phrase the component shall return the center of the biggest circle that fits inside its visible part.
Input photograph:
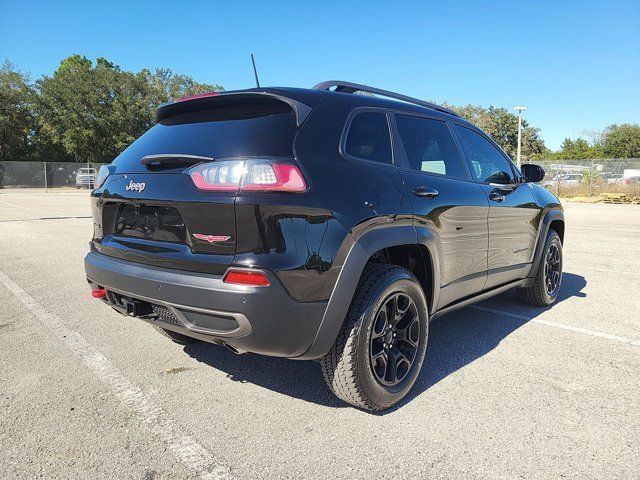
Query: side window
(368, 137)
(489, 165)
(429, 146)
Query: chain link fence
(592, 177)
(565, 178)
(47, 174)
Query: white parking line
(193, 455)
(39, 211)
(563, 326)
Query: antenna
(255, 72)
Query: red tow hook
(99, 293)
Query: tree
(93, 112)
(502, 126)
(16, 115)
(622, 141)
(578, 149)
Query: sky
(574, 64)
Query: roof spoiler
(348, 87)
(197, 102)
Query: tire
(176, 337)
(540, 294)
(349, 368)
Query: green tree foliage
(577, 149)
(96, 111)
(622, 141)
(502, 126)
(16, 117)
(84, 111)
(616, 141)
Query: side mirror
(532, 173)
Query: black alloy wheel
(395, 335)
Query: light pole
(519, 109)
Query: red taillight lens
(248, 175)
(243, 277)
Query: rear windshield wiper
(174, 159)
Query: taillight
(101, 177)
(244, 277)
(248, 175)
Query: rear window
(266, 130)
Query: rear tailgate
(154, 214)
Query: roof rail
(348, 87)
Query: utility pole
(518, 158)
(255, 71)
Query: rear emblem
(135, 186)
(211, 238)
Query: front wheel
(548, 279)
(380, 349)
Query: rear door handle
(496, 196)
(425, 192)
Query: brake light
(200, 95)
(248, 175)
(244, 277)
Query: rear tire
(380, 348)
(548, 279)
(175, 336)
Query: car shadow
(455, 340)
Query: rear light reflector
(243, 277)
(99, 293)
(248, 175)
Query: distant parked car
(564, 180)
(611, 178)
(86, 177)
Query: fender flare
(551, 215)
(356, 259)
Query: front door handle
(425, 192)
(496, 196)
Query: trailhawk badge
(211, 238)
(135, 186)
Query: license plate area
(150, 222)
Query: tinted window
(222, 132)
(489, 165)
(429, 146)
(368, 137)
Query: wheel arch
(553, 219)
(403, 244)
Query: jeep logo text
(135, 186)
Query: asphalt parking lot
(508, 391)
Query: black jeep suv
(319, 224)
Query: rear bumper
(263, 320)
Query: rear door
(445, 201)
(154, 214)
(514, 214)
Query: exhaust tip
(233, 349)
